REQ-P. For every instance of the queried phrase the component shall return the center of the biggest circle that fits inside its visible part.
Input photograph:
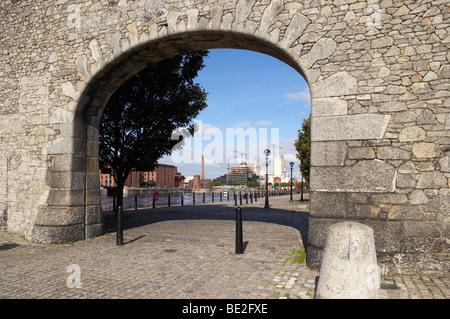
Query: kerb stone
(349, 266)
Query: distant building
(134, 179)
(188, 180)
(240, 175)
(164, 175)
(106, 180)
(197, 182)
(222, 179)
(179, 180)
(205, 183)
(276, 172)
(277, 180)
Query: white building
(276, 168)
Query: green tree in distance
(140, 118)
(303, 147)
(253, 184)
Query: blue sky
(247, 90)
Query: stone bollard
(349, 267)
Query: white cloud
(303, 95)
(243, 124)
(290, 157)
(263, 123)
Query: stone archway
(90, 107)
(380, 107)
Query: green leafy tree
(141, 116)
(303, 147)
(253, 184)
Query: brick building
(179, 180)
(164, 175)
(198, 182)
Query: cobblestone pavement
(184, 252)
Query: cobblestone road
(183, 252)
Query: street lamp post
(292, 166)
(267, 153)
(301, 198)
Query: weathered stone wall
(395, 176)
(379, 79)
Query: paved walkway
(183, 252)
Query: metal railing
(194, 198)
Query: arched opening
(254, 97)
(242, 120)
(291, 96)
(131, 62)
(81, 203)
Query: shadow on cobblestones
(7, 246)
(135, 219)
(184, 253)
(170, 252)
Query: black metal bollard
(193, 198)
(212, 197)
(240, 198)
(251, 198)
(153, 204)
(246, 197)
(204, 197)
(235, 199)
(239, 239)
(182, 199)
(135, 202)
(256, 197)
(220, 194)
(119, 239)
(168, 199)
